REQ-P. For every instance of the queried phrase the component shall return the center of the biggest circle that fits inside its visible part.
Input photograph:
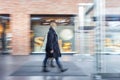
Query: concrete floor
(9, 64)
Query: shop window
(5, 34)
(112, 40)
(65, 30)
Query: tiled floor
(9, 64)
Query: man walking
(52, 48)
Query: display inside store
(112, 40)
(40, 27)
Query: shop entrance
(65, 31)
(5, 34)
(106, 40)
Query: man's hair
(52, 21)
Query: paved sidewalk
(9, 64)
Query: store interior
(65, 29)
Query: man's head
(53, 23)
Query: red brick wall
(20, 11)
(112, 3)
(20, 25)
(40, 6)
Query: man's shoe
(45, 70)
(63, 70)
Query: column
(81, 28)
(20, 26)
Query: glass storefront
(112, 40)
(5, 34)
(65, 30)
(107, 41)
(87, 26)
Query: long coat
(52, 44)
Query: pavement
(88, 64)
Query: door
(5, 34)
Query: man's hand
(51, 51)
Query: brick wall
(41, 6)
(20, 25)
(20, 11)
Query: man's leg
(45, 64)
(59, 65)
(52, 62)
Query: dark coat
(52, 44)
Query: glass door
(107, 40)
(103, 20)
